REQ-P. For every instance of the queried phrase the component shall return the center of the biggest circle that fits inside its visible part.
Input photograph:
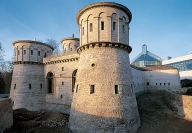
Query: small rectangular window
(102, 25)
(71, 49)
(24, 52)
(123, 28)
(18, 52)
(168, 83)
(116, 89)
(31, 52)
(29, 86)
(147, 83)
(62, 68)
(62, 83)
(160, 83)
(77, 87)
(61, 96)
(92, 89)
(14, 86)
(156, 83)
(90, 27)
(114, 25)
(41, 86)
(83, 31)
(164, 83)
(39, 53)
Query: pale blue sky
(165, 26)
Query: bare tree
(1, 52)
(2, 70)
(54, 44)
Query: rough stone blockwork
(104, 100)
(181, 104)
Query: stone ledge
(104, 44)
(62, 61)
(27, 62)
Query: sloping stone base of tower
(81, 122)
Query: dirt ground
(155, 116)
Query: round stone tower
(104, 99)
(28, 83)
(70, 44)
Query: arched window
(73, 79)
(50, 82)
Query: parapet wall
(181, 104)
(6, 113)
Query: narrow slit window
(14, 86)
(77, 87)
(62, 68)
(114, 25)
(29, 86)
(102, 25)
(147, 83)
(168, 83)
(18, 52)
(92, 89)
(116, 89)
(39, 53)
(91, 27)
(83, 31)
(31, 52)
(24, 52)
(62, 83)
(156, 83)
(41, 86)
(160, 83)
(71, 49)
(123, 28)
(61, 96)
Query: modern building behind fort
(183, 63)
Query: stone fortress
(92, 80)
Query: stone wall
(28, 86)
(6, 113)
(70, 44)
(60, 99)
(155, 80)
(33, 51)
(181, 104)
(115, 22)
(111, 106)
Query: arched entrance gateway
(50, 83)
(74, 79)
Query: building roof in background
(153, 68)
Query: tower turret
(70, 44)
(28, 83)
(104, 99)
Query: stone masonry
(104, 100)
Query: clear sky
(165, 26)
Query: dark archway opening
(74, 79)
(50, 82)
